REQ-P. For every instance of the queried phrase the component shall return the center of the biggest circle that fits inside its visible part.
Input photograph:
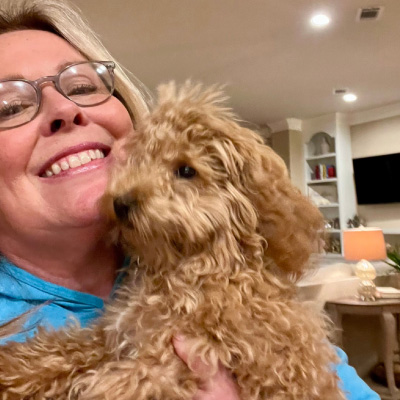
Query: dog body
(217, 235)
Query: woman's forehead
(31, 54)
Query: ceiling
(274, 64)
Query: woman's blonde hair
(65, 20)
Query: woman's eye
(82, 90)
(185, 172)
(12, 109)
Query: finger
(200, 367)
(219, 387)
(217, 382)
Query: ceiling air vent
(340, 91)
(369, 14)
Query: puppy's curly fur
(220, 235)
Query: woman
(60, 130)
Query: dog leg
(150, 377)
(43, 367)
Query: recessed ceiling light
(320, 20)
(349, 97)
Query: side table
(388, 311)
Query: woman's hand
(220, 386)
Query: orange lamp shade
(364, 243)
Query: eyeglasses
(86, 83)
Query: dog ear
(266, 200)
(290, 223)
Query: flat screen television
(377, 179)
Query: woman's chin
(81, 206)
(87, 208)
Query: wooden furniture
(388, 311)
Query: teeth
(99, 154)
(64, 165)
(74, 161)
(84, 158)
(55, 168)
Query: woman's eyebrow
(12, 77)
(66, 64)
(19, 76)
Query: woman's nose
(61, 114)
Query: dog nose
(123, 206)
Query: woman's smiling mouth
(75, 158)
(73, 161)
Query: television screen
(377, 179)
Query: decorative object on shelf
(356, 222)
(324, 146)
(393, 254)
(329, 193)
(336, 223)
(312, 150)
(332, 245)
(317, 198)
(328, 225)
(331, 171)
(322, 171)
(317, 172)
(364, 245)
(320, 144)
(333, 223)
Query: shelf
(319, 181)
(333, 256)
(321, 156)
(391, 231)
(332, 205)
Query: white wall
(376, 138)
(373, 139)
(297, 174)
(289, 145)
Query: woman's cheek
(17, 143)
(117, 119)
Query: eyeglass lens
(86, 84)
(18, 103)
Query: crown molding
(374, 114)
(286, 124)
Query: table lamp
(362, 245)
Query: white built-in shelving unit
(327, 143)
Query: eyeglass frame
(110, 65)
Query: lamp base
(366, 272)
(367, 291)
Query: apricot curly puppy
(220, 236)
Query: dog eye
(185, 172)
